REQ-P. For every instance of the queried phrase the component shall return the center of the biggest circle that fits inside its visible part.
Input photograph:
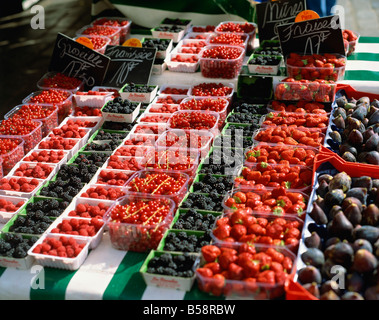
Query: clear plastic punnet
(135, 235)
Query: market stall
(83, 158)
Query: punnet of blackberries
(13, 245)
(119, 105)
(179, 265)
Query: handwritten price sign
(272, 14)
(77, 60)
(129, 64)
(323, 35)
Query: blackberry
(19, 253)
(4, 246)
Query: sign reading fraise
(129, 64)
(272, 14)
(77, 60)
(315, 36)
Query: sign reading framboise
(323, 35)
(129, 64)
(272, 14)
(76, 60)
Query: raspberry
(81, 208)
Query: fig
(340, 226)
(371, 143)
(370, 233)
(368, 133)
(309, 274)
(339, 122)
(349, 157)
(363, 182)
(370, 215)
(313, 257)
(324, 177)
(318, 215)
(351, 296)
(339, 111)
(322, 188)
(345, 147)
(313, 241)
(355, 138)
(329, 269)
(364, 261)
(374, 103)
(341, 253)
(362, 244)
(364, 101)
(374, 118)
(341, 101)
(321, 202)
(330, 285)
(359, 193)
(336, 136)
(329, 295)
(349, 201)
(360, 113)
(372, 157)
(333, 211)
(355, 282)
(331, 241)
(312, 288)
(334, 197)
(349, 105)
(340, 181)
(372, 293)
(353, 214)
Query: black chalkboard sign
(322, 35)
(76, 60)
(129, 64)
(272, 14)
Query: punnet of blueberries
(178, 265)
(119, 105)
(13, 245)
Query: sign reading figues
(129, 64)
(323, 35)
(77, 60)
(271, 14)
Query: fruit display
(342, 231)
(316, 66)
(353, 130)
(199, 178)
(138, 223)
(221, 61)
(244, 270)
(28, 130)
(279, 201)
(242, 226)
(317, 90)
(290, 136)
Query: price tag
(133, 42)
(85, 42)
(306, 15)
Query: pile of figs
(355, 129)
(342, 250)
